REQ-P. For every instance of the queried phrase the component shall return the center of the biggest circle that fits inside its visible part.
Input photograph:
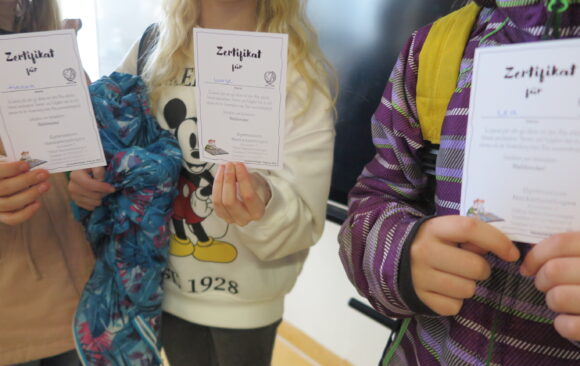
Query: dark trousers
(190, 344)
(64, 359)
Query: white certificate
(523, 139)
(46, 115)
(241, 94)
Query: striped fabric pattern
(507, 322)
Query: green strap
(397, 342)
(494, 31)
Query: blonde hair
(173, 49)
(37, 15)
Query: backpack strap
(439, 63)
(146, 44)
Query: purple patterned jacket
(507, 322)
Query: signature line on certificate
(239, 85)
(34, 89)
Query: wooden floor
(295, 348)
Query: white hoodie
(229, 276)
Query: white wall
(120, 24)
(318, 305)
(87, 37)
(109, 29)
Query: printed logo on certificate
(523, 140)
(241, 96)
(46, 115)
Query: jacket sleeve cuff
(405, 282)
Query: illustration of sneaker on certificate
(25, 156)
(211, 148)
(477, 210)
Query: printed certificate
(523, 139)
(241, 94)
(46, 115)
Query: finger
(77, 192)
(88, 183)
(568, 326)
(558, 271)
(440, 304)
(13, 185)
(556, 246)
(253, 203)
(472, 248)
(13, 169)
(460, 229)
(217, 195)
(452, 260)
(24, 198)
(445, 284)
(86, 202)
(232, 205)
(564, 299)
(20, 216)
(98, 173)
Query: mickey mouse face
(186, 133)
(175, 105)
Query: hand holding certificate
(46, 116)
(239, 197)
(241, 93)
(523, 140)
(20, 190)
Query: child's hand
(556, 264)
(20, 190)
(87, 189)
(447, 259)
(238, 196)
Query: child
(235, 253)
(44, 258)
(460, 279)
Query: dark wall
(362, 39)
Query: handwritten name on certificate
(46, 115)
(523, 140)
(241, 94)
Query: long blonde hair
(37, 15)
(173, 49)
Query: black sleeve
(405, 281)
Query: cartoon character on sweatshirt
(193, 204)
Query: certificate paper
(522, 154)
(241, 94)
(46, 115)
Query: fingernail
(229, 168)
(524, 271)
(41, 176)
(23, 166)
(112, 190)
(514, 253)
(43, 188)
